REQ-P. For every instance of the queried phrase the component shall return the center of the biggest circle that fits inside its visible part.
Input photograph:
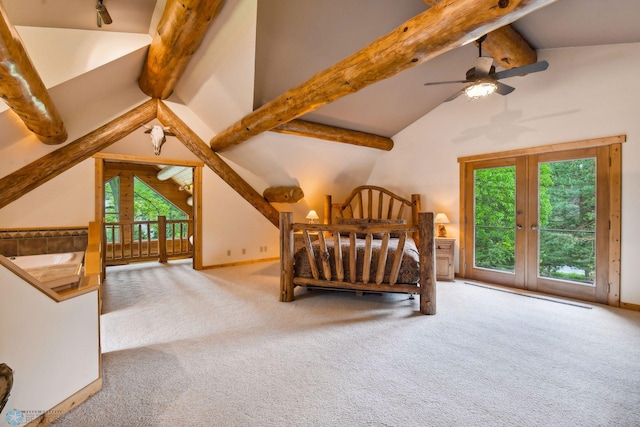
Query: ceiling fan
(482, 80)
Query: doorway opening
(149, 210)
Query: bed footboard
(372, 279)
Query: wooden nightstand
(444, 259)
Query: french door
(540, 222)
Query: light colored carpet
(216, 348)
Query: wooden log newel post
(162, 239)
(23, 90)
(426, 248)
(445, 26)
(183, 25)
(286, 257)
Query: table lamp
(441, 219)
(312, 216)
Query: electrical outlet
(229, 252)
(244, 251)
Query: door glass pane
(567, 219)
(494, 223)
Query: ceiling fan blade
(504, 89)
(444, 83)
(522, 71)
(483, 66)
(454, 96)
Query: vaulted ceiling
(298, 39)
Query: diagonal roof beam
(505, 45)
(22, 88)
(447, 25)
(198, 147)
(36, 173)
(183, 25)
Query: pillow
(371, 221)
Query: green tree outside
(148, 205)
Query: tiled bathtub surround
(20, 242)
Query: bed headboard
(369, 201)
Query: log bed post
(415, 211)
(328, 207)
(286, 256)
(426, 248)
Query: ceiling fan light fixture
(480, 89)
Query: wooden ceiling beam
(505, 45)
(200, 148)
(336, 134)
(23, 90)
(445, 26)
(181, 29)
(27, 178)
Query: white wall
(587, 92)
(218, 82)
(65, 201)
(53, 348)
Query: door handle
(534, 227)
(519, 227)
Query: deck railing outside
(131, 241)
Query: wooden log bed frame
(362, 246)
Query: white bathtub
(28, 262)
(53, 270)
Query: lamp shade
(312, 216)
(441, 218)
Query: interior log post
(447, 25)
(426, 249)
(283, 194)
(180, 31)
(198, 147)
(25, 179)
(505, 45)
(286, 257)
(336, 134)
(23, 90)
